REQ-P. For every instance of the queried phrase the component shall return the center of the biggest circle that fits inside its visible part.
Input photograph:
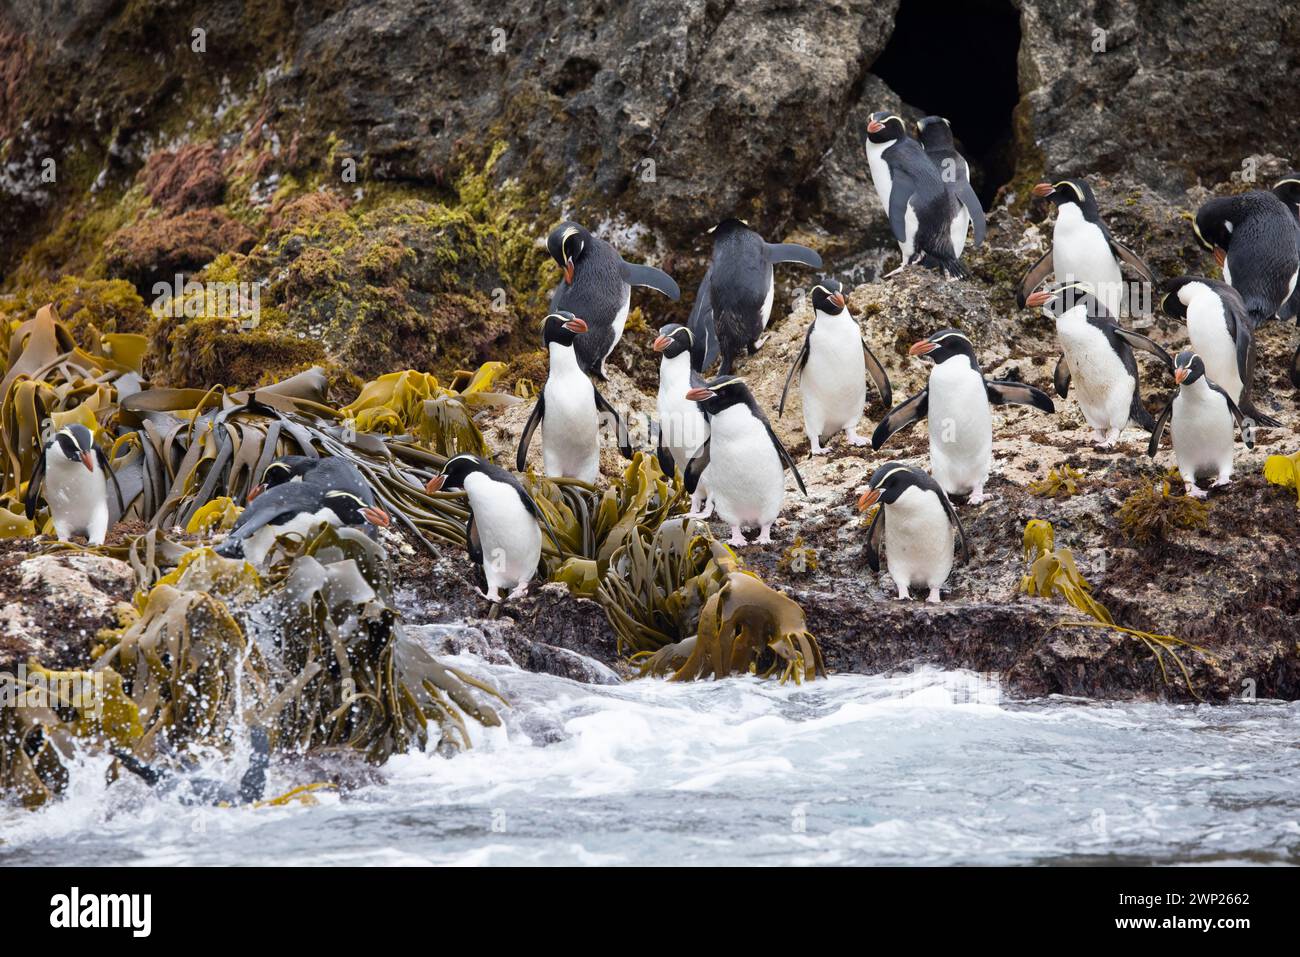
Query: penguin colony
(713, 434)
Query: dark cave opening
(957, 58)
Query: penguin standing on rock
(734, 302)
(917, 526)
(924, 214)
(502, 533)
(1254, 240)
(598, 286)
(935, 134)
(1221, 335)
(683, 427)
(1203, 417)
(75, 473)
(1098, 359)
(1083, 250)
(745, 459)
(833, 366)
(569, 408)
(956, 403)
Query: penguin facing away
(745, 459)
(503, 532)
(1097, 359)
(1287, 189)
(1083, 249)
(917, 526)
(956, 403)
(1254, 239)
(597, 285)
(935, 135)
(832, 367)
(568, 408)
(1221, 334)
(734, 302)
(73, 474)
(1202, 416)
(682, 426)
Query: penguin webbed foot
(737, 539)
(933, 598)
(1222, 481)
(764, 536)
(854, 439)
(1195, 491)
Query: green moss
(110, 305)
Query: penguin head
(721, 393)
(283, 470)
(454, 472)
(77, 445)
(1287, 189)
(885, 127)
(673, 340)
(1213, 226)
(828, 297)
(1056, 301)
(1178, 294)
(566, 245)
(728, 226)
(934, 132)
(887, 483)
(1188, 367)
(1068, 191)
(352, 509)
(562, 328)
(944, 345)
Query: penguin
(568, 408)
(917, 526)
(683, 427)
(287, 468)
(1083, 249)
(832, 367)
(75, 473)
(598, 285)
(192, 789)
(502, 533)
(745, 459)
(956, 402)
(1287, 189)
(1254, 240)
(1202, 415)
(1098, 359)
(923, 213)
(1221, 334)
(935, 134)
(734, 301)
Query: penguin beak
(568, 271)
(868, 498)
(662, 343)
(1043, 189)
(435, 484)
(922, 348)
(699, 395)
(1220, 256)
(256, 490)
(839, 300)
(576, 325)
(1040, 298)
(376, 516)
(88, 461)
(875, 126)
(1180, 375)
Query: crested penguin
(1202, 416)
(956, 403)
(935, 134)
(924, 214)
(1098, 359)
(597, 285)
(569, 408)
(734, 302)
(287, 468)
(502, 533)
(745, 459)
(917, 526)
(682, 424)
(1287, 189)
(74, 472)
(832, 367)
(1221, 334)
(1083, 249)
(1254, 240)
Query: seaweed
(1059, 483)
(1150, 515)
(1284, 471)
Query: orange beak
(875, 126)
(922, 348)
(576, 325)
(1043, 189)
(1040, 298)
(661, 343)
(868, 498)
(88, 461)
(376, 516)
(1180, 375)
(699, 395)
(839, 300)
(256, 490)
(568, 272)
(1220, 256)
(435, 484)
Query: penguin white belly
(880, 177)
(767, 300)
(77, 498)
(918, 540)
(961, 427)
(833, 383)
(570, 439)
(958, 228)
(1217, 349)
(258, 545)
(682, 424)
(1080, 253)
(509, 534)
(1227, 275)
(910, 226)
(1203, 432)
(620, 320)
(745, 473)
(1098, 379)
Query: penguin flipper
(704, 335)
(695, 468)
(473, 544)
(624, 440)
(800, 361)
(1135, 262)
(900, 417)
(1139, 341)
(878, 375)
(112, 477)
(956, 524)
(253, 784)
(33, 497)
(900, 194)
(1246, 367)
(1247, 431)
(534, 419)
(1061, 378)
(1138, 412)
(1154, 445)
(966, 193)
(1034, 278)
(663, 454)
(785, 457)
(1002, 391)
(791, 253)
(651, 278)
(875, 537)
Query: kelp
(1062, 482)
(1150, 515)
(1052, 573)
(1284, 471)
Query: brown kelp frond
(1284, 471)
(1053, 573)
(1150, 515)
(1060, 482)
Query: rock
(186, 178)
(157, 250)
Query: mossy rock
(110, 305)
(204, 352)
